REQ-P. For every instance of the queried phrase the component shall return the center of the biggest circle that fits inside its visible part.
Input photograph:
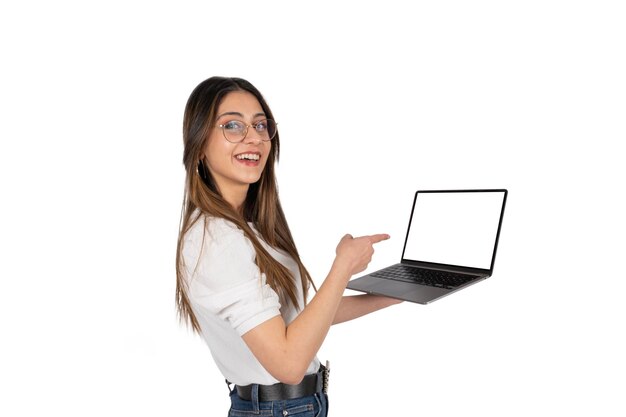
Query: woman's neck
(235, 196)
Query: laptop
(450, 244)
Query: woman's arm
(352, 307)
(287, 351)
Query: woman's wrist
(341, 270)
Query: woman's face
(234, 166)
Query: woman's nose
(253, 137)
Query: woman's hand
(355, 253)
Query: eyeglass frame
(248, 126)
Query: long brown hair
(262, 206)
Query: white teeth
(249, 156)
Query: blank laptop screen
(454, 228)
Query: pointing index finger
(379, 237)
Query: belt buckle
(326, 376)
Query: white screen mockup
(456, 228)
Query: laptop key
(438, 279)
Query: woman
(240, 281)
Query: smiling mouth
(248, 157)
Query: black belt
(310, 385)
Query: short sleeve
(223, 278)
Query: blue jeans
(315, 405)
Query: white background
(374, 101)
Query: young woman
(240, 281)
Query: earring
(201, 170)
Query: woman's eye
(261, 126)
(233, 125)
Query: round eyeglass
(235, 131)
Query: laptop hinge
(448, 268)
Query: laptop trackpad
(403, 290)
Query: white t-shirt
(229, 296)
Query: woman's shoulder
(214, 230)
(218, 253)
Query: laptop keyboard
(440, 279)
